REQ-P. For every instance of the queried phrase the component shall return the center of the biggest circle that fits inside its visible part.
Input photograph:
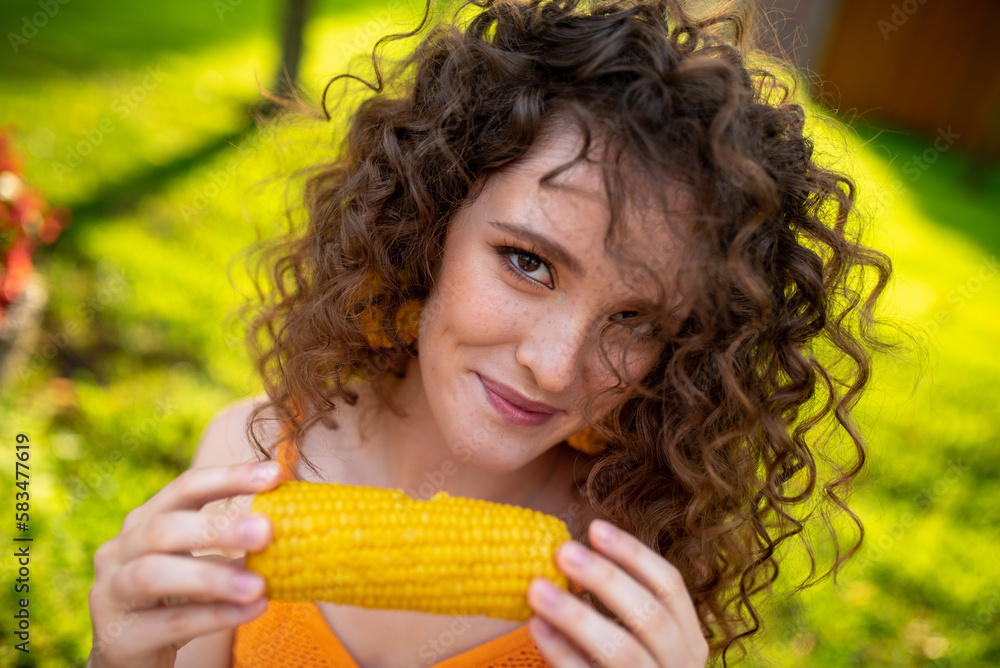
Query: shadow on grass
(114, 199)
(79, 38)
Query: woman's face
(525, 286)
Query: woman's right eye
(521, 264)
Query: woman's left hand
(642, 588)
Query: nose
(553, 348)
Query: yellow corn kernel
(380, 548)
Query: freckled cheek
(491, 314)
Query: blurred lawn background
(136, 354)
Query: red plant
(26, 221)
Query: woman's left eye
(644, 329)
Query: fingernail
(265, 472)
(575, 554)
(253, 527)
(604, 531)
(247, 582)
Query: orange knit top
(295, 633)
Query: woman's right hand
(150, 560)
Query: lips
(510, 395)
(511, 412)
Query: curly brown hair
(718, 444)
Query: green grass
(137, 356)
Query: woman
(583, 262)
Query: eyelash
(504, 251)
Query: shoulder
(225, 439)
(225, 442)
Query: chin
(486, 448)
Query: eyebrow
(543, 243)
(558, 253)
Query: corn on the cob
(380, 548)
